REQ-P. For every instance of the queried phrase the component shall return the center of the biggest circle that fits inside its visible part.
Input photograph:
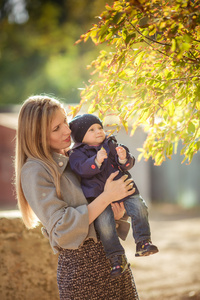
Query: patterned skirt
(84, 274)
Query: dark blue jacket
(82, 162)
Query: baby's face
(94, 136)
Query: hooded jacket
(82, 161)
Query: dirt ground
(174, 272)
(28, 265)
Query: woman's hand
(118, 210)
(114, 190)
(118, 189)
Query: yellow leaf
(125, 124)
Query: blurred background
(37, 48)
(38, 55)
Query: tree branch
(148, 38)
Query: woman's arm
(114, 190)
(67, 225)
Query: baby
(94, 157)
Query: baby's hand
(118, 210)
(101, 155)
(121, 152)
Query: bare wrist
(98, 163)
(122, 161)
(108, 197)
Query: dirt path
(173, 273)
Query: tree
(150, 74)
(38, 54)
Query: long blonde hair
(34, 123)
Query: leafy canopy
(149, 76)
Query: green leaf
(173, 47)
(139, 58)
(197, 146)
(130, 37)
(191, 127)
(171, 108)
(117, 17)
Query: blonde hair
(34, 122)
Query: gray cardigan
(65, 220)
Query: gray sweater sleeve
(67, 226)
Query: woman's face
(59, 138)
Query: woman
(50, 192)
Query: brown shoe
(145, 248)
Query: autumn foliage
(149, 73)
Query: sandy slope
(28, 266)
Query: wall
(7, 146)
(174, 182)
